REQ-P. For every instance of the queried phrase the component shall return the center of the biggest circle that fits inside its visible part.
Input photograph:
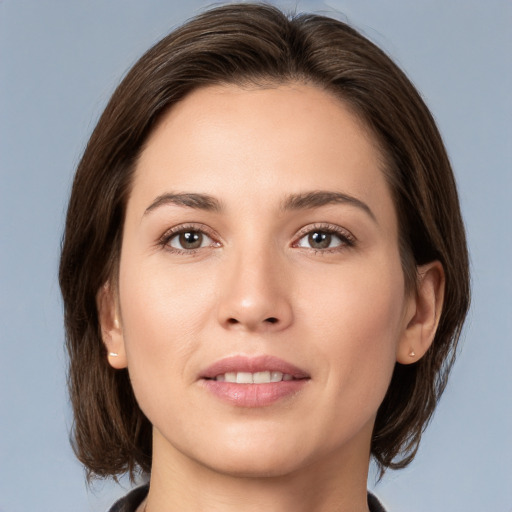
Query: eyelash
(347, 240)
(186, 228)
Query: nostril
(234, 321)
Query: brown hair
(256, 44)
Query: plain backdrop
(59, 63)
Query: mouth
(253, 381)
(265, 377)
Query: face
(261, 300)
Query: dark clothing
(131, 501)
(374, 504)
(134, 498)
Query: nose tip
(255, 316)
(254, 299)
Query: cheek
(163, 310)
(360, 316)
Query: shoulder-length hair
(252, 44)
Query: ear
(111, 326)
(423, 313)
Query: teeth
(244, 378)
(253, 378)
(276, 377)
(261, 377)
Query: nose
(255, 294)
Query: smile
(253, 381)
(253, 378)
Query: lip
(253, 395)
(252, 364)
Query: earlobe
(423, 314)
(110, 325)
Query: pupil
(191, 240)
(320, 240)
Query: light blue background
(59, 63)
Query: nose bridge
(255, 295)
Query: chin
(263, 456)
(261, 466)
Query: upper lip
(252, 364)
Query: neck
(336, 483)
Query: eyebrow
(189, 200)
(302, 201)
(320, 198)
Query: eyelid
(183, 228)
(348, 239)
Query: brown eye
(319, 240)
(189, 240)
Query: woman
(264, 269)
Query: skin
(341, 313)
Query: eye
(187, 239)
(319, 240)
(324, 238)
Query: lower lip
(253, 395)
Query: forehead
(287, 138)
